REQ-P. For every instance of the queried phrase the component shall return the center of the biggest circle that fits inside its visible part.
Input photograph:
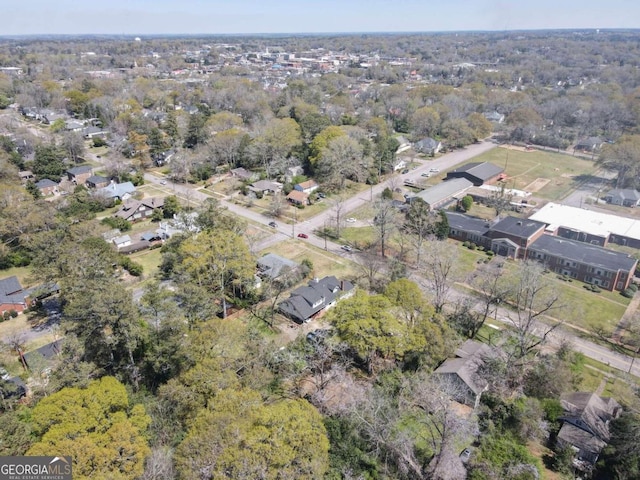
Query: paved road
(597, 352)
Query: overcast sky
(140, 17)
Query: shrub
(472, 246)
(628, 293)
(480, 248)
(13, 313)
(465, 244)
(633, 287)
(134, 269)
(490, 253)
(593, 288)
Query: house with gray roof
(585, 425)
(272, 265)
(12, 295)
(462, 372)
(308, 301)
(47, 187)
(589, 144)
(627, 197)
(428, 146)
(120, 191)
(80, 174)
(477, 172)
(266, 187)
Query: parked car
(163, 182)
(427, 175)
(321, 195)
(465, 455)
(406, 170)
(273, 224)
(303, 235)
(434, 170)
(351, 220)
(346, 248)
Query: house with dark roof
(133, 210)
(462, 372)
(308, 301)
(477, 172)
(47, 187)
(428, 146)
(45, 353)
(12, 295)
(585, 424)
(627, 197)
(97, 181)
(79, 175)
(590, 144)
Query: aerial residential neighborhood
(390, 256)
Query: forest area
(154, 380)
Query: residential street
(283, 230)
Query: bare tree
(500, 199)
(338, 206)
(494, 289)
(440, 268)
(384, 222)
(159, 464)
(276, 205)
(419, 223)
(533, 297)
(370, 265)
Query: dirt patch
(537, 184)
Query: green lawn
(324, 263)
(563, 171)
(150, 261)
(22, 273)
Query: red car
(303, 235)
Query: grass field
(564, 172)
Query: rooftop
(522, 228)
(594, 223)
(584, 253)
(444, 190)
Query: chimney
(342, 285)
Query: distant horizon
(291, 17)
(310, 34)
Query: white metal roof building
(589, 226)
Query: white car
(346, 248)
(434, 170)
(351, 220)
(163, 182)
